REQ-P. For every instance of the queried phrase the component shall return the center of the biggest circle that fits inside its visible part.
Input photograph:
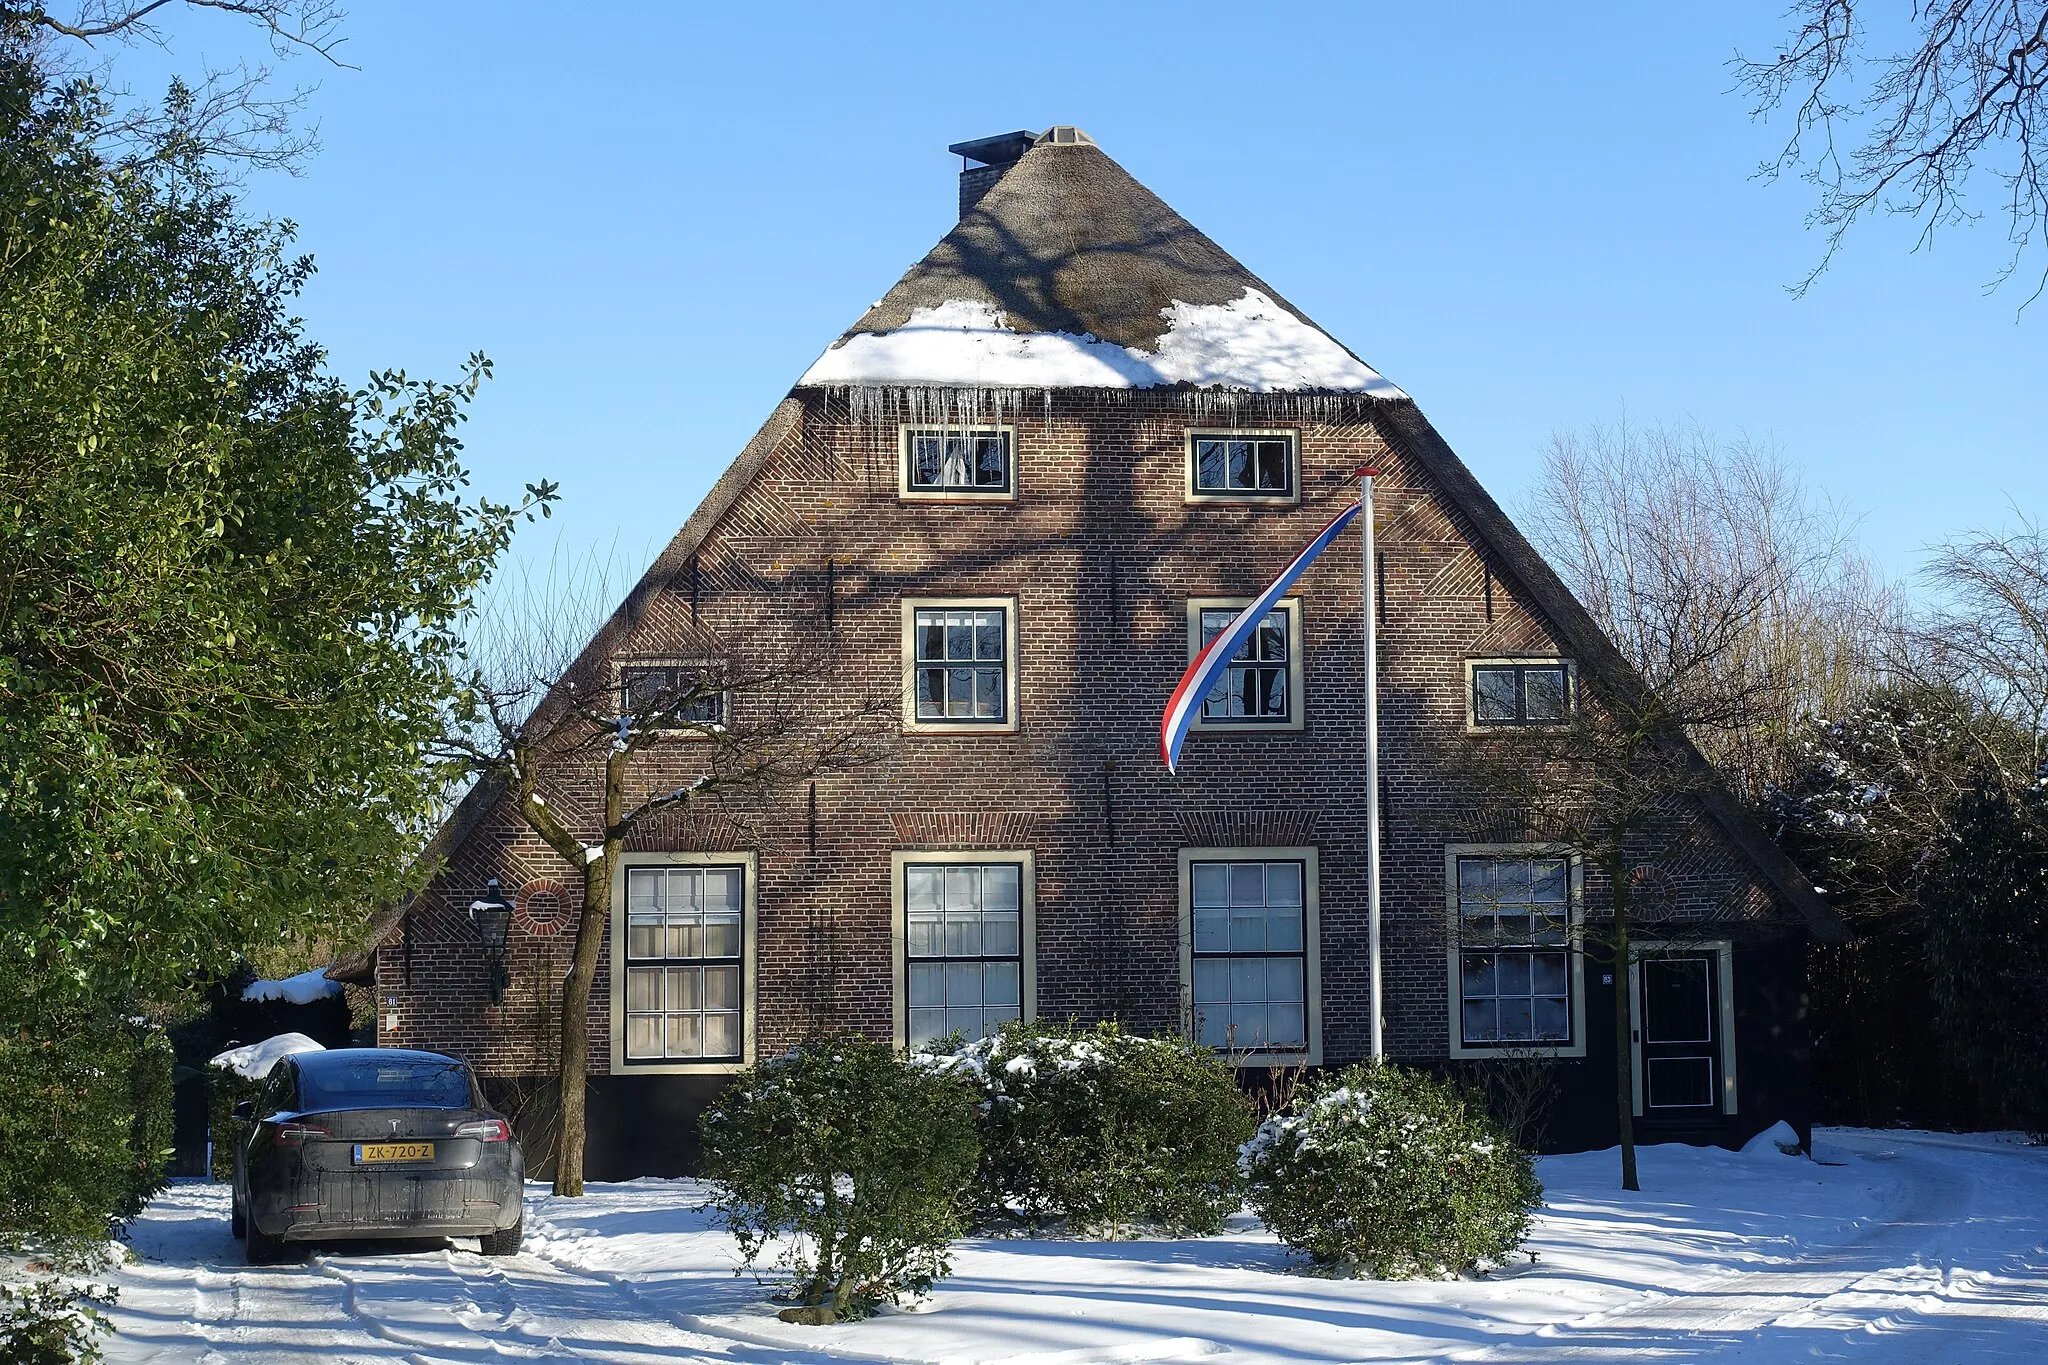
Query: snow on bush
(1102, 1128)
(252, 1061)
(850, 1158)
(1391, 1173)
(237, 1075)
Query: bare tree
(1984, 640)
(1905, 131)
(1718, 575)
(226, 114)
(750, 720)
(1703, 568)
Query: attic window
(1242, 466)
(1509, 692)
(957, 462)
(650, 689)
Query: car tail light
(297, 1134)
(486, 1130)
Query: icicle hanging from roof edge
(935, 405)
(941, 405)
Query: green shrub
(49, 1322)
(224, 1090)
(1103, 1128)
(854, 1160)
(1392, 1173)
(85, 1122)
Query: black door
(1680, 1035)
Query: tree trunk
(1624, 1021)
(574, 1071)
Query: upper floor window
(1521, 692)
(684, 957)
(960, 660)
(678, 694)
(1243, 466)
(1261, 686)
(957, 462)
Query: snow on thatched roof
(1069, 273)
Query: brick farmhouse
(1012, 498)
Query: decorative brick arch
(542, 908)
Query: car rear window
(381, 1082)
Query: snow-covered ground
(1909, 1247)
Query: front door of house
(1679, 1036)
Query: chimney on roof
(984, 161)
(987, 159)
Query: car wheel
(238, 1225)
(260, 1248)
(505, 1242)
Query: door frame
(1724, 952)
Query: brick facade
(1101, 552)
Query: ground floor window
(1250, 962)
(1514, 983)
(963, 948)
(685, 955)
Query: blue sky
(653, 217)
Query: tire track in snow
(1872, 1296)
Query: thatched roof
(1068, 250)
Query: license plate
(369, 1153)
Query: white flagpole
(1372, 764)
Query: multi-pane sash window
(1257, 466)
(684, 945)
(1521, 694)
(1254, 686)
(960, 668)
(1514, 921)
(963, 947)
(647, 688)
(1250, 964)
(962, 461)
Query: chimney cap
(1064, 135)
(1001, 150)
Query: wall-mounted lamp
(491, 914)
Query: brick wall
(1101, 552)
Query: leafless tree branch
(1966, 96)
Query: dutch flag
(1209, 665)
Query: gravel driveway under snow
(1909, 1247)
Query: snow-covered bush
(1393, 1173)
(237, 1075)
(853, 1160)
(1103, 1128)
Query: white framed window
(1519, 693)
(1261, 688)
(683, 945)
(960, 665)
(976, 463)
(649, 684)
(1251, 957)
(964, 933)
(1516, 975)
(1244, 466)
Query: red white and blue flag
(1210, 665)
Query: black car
(374, 1142)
